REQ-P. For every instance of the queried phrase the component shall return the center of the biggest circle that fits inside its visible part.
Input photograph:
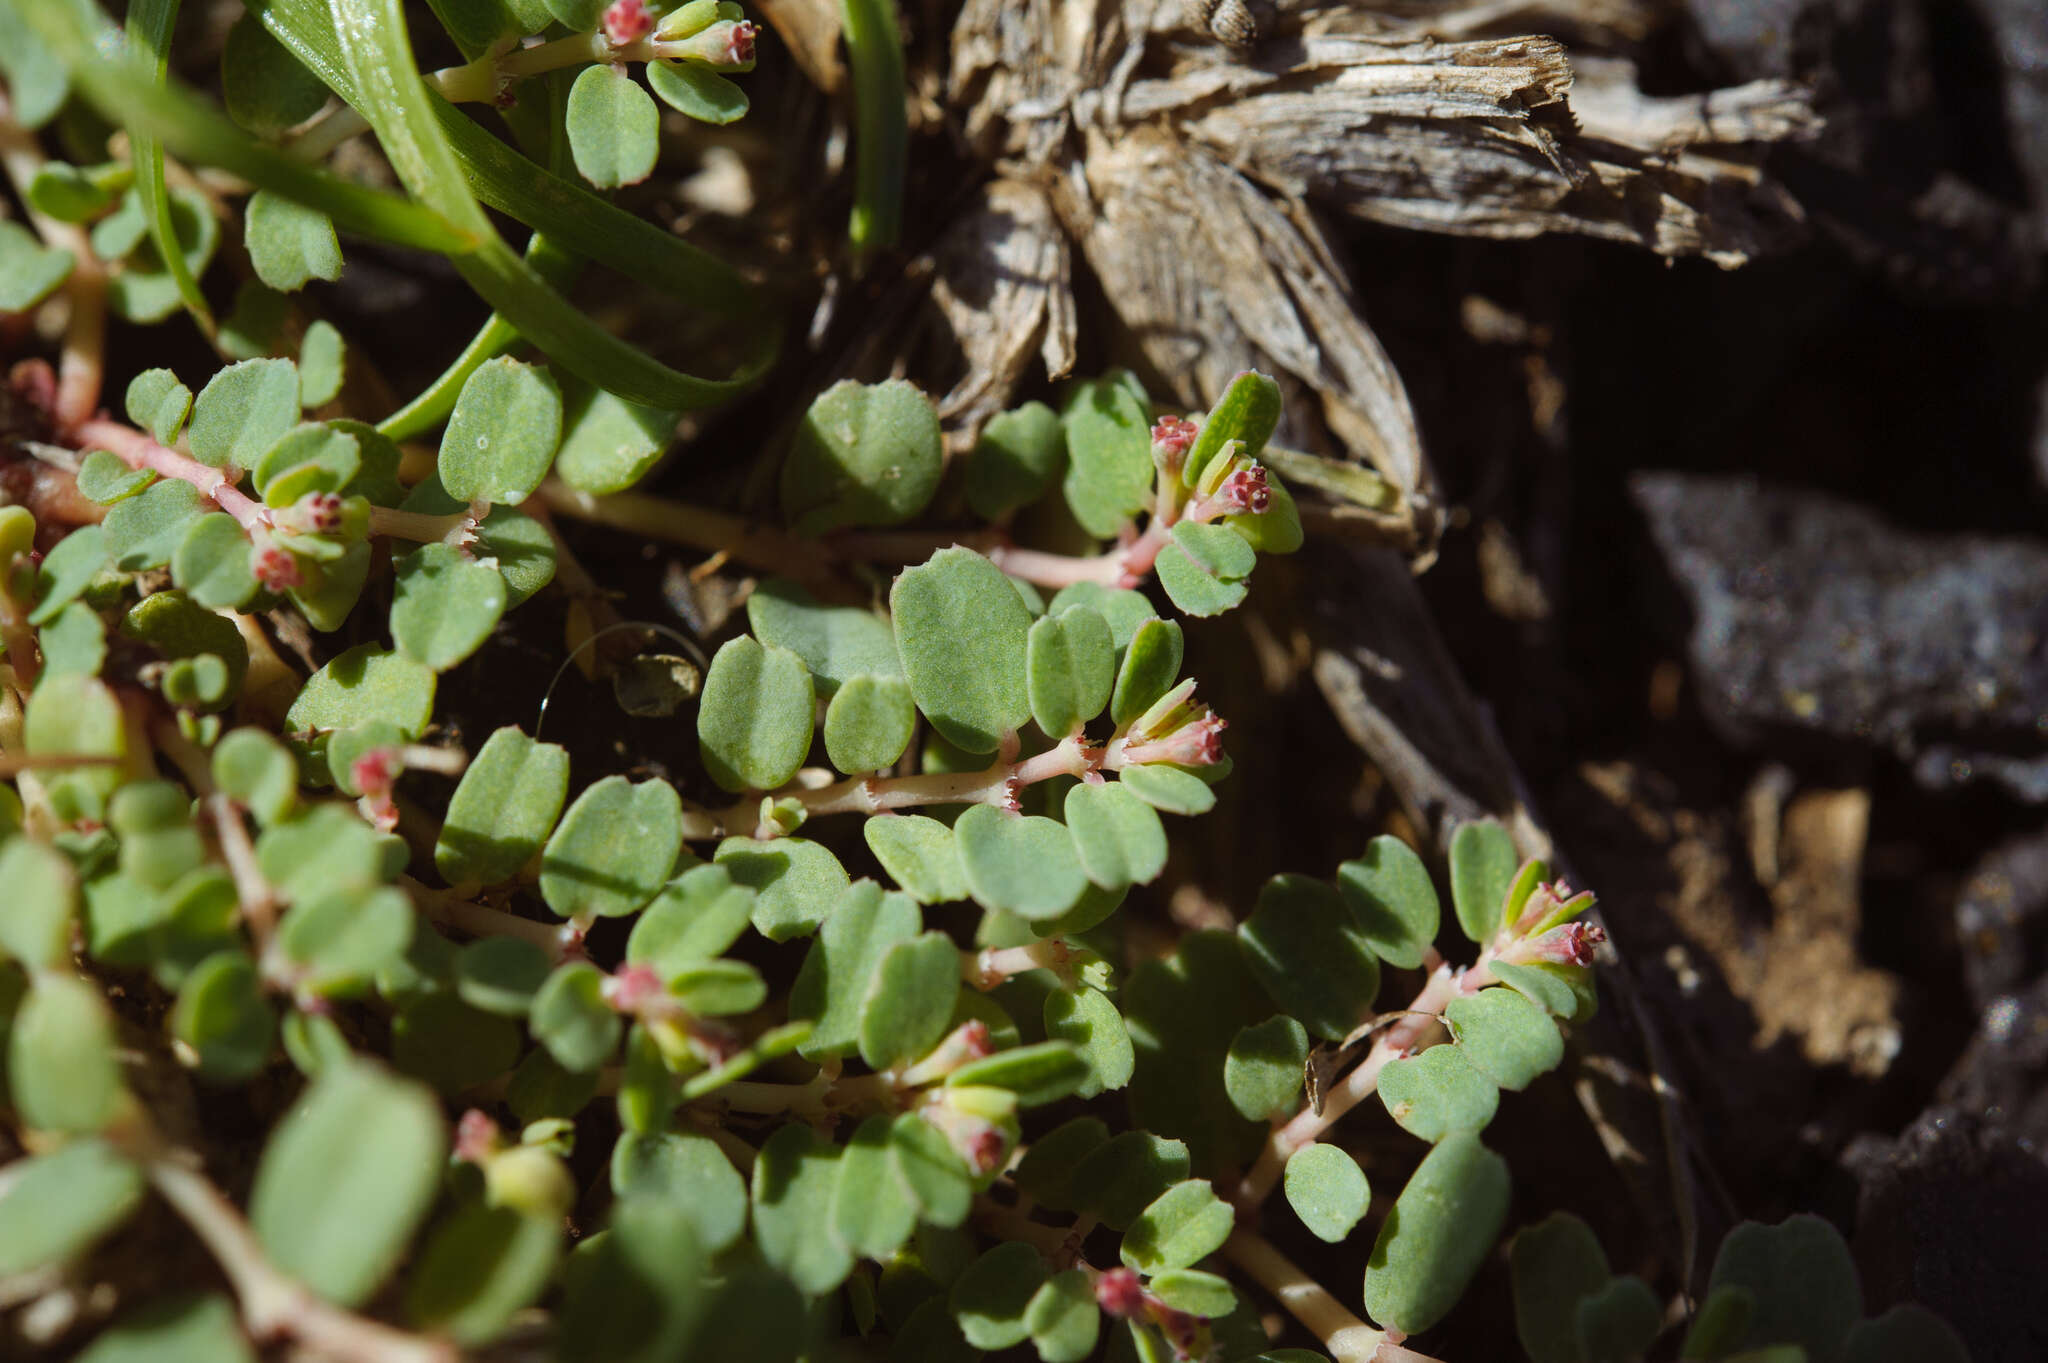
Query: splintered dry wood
(1187, 146)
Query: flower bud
(1120, 1293)
(1244, 491)
(976, 1122)
(626, 21)
(631, 988)
(477, 1137)
(1172, 437)
(727, 45)
(687, 20)
(1566, 944)
(276, 568)
(967, 1042)
(529, 1179)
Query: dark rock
(1810, 614)
(2002, 1079)
(2002, 918)
(1944, 1218)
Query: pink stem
(138, 451)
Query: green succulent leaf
(1483, 865)
(754, 720)
(104, 478)
(1195, 1292)
(1505, 1037)
(42, 900)
(1169, 789)
(695, 918)
(1108, 427)
(992, 1298)
(177, 1329)
(869, 723)
(614, 129)
(866, 454)
(1306, 950)
(77, 717)
(1048, 1169)
(1040, 1074)
(1617, 1322)
(1204, 569)
(696, 93)
(1019, 863)
(1062, 1318)
(441, 1040)
(1071, 664)
(54, 1207)
(61, 1069)
(873, 1211)
(1555, 1264)
(1441, 1229)
(264, 87)
(503, 809)
(340, 939)
(608, 444)
(222, 1017)
(70, 193)
(143, 531)
(480, 1268)
(158, 403)
(1085, 1019)
(1565, 990)
(1182, 1226)
(501, 974)
(1327, 1190)
(244, 410)
(832, 987)
(67, 570)
(909, 1001)
(1718, 1325)
(1247, 413)
(1909, 1333)
(837, 643)
(1118, 837)
(346, 1178)
(571, 1018)
(1263, 1072)
(920, 855)
(289, 243)
(502, 436)
(211, 563)
(928, 1165)
(796, 1179)
(1151, 664)
(961, 630)
(690, 1171)
(796, 882)
(1438, 1092)
(1183, 1011)
(311, 457)
(75, 643)
(322, 363)
(1390, 894)
(29, 271)
(1803, 1281)
(1019, 455)
(444, 606)
(613, 850)
(365, 683)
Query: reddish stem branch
(138, 451)
(272, 1304)
(1442, 988)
